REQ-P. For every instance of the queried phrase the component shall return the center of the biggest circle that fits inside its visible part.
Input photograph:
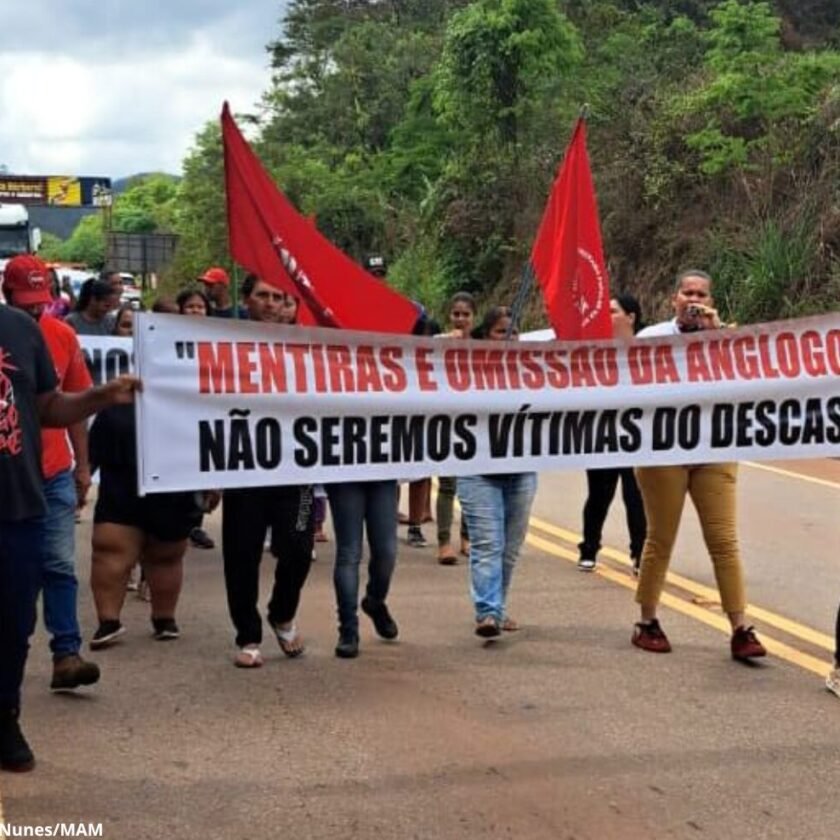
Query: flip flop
(448, 559)
(487, 628)
(248, 657)
(510, 625)
(287, 638)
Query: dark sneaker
(586, 564)
(745, 645)
(201, 539)
(71, 671)
(165, 629)
(649, 636)
(415, 537)
(348, 646)
(385, 625)
(15, 754)
(106, 634)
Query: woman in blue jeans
(355, 505)
(496, 508)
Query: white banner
(235, 404)
(107, 356)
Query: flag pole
(527, 278)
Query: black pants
(246, 516)
(602, 485)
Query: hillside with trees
(429, 131)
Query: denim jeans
(21, 563)
(60, 586)
(496, 508)
(354, 506)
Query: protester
(129, 529)
(712, 488)
(164, 305)
(462, 312)
(194, 303)
(497, 508)
(247, 514)
(97, 300)
(217, 288)
(114, 280)
(124, 321)
(65, 484)
(602, 483)
(28, 398)
(420, 490)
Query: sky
(112, 87)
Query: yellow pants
(712, 489)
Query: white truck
(17, 236)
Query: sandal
(487, 627)
(447, 556)
(248, 657)
(465, 548)
(510, 625)
(289, 640)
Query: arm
(79, 441)
(59, 410)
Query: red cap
(26, 281)
(215, 275)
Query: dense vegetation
(430, 131)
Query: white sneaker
(832, 681)
(586, 564)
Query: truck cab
(16, 234)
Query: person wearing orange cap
(29, 398)
(65, 485)
(216, 284)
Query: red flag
(568, 257)
(272, 240)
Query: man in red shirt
(65, 486)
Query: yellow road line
(699, 590)
(718, 622)
(823, 482)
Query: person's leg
(116, 548)
(347, 506)
(243, 534)
(518, 496)
(21, 564)
(663, 490)
(418, 499)
(601, 484)
(482, 503)
(635, 509)
(293, 536)
(832, 680)
(164, 564)
(713, 489)
(380, 515)
(444, 509)
(60, 587)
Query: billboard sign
(55, 190)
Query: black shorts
(168, 517)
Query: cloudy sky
(114, 87)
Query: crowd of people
(48, 453)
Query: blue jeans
(59, 574)
(355, 505)
(496, 508)
(21, 563)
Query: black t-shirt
(26, 370)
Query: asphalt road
(563, 730)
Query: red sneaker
(745, 645)
(649, 636)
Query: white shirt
(663, 328)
